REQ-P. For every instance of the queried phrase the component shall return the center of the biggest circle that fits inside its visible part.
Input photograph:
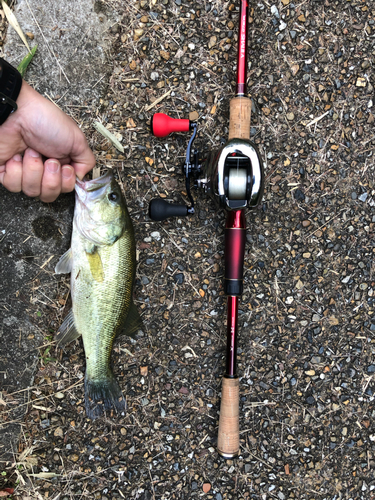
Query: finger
(51, 181)
(68, 178)
(33, 169)
(82, 169)
(11, 174)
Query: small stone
(361, 82)
(193, 116)
(179, 278)
(58, 432)
(371, 369)
(310, 373)
(290, 116)
(74, 457)
(299, 195)
(294, 69)
(143, 370)
(315, 360)
(212, 42)
(333, 321)
(156, 235)
(299, 285)
(138, 33)
(59, 395)
(206, 487)
(315, 317)
(275, 11)
(363, 197)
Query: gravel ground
(306, 345)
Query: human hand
(40, 129)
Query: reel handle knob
(160, 209)
(163, 125)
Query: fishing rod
(233, 177)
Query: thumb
(82, 158)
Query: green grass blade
(26, 61)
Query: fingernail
(17, 157)
(67, 172)
(33, 153)
(52, 166)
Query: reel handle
(163, 125)
(160, 209)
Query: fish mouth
(94, 188)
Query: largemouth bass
(102, 264)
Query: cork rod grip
(228, 441)
(239, 118)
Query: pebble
(275, 11)
(315, 360)
(179, 278)
(156, 235)
(58, 432)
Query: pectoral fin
(96, 266)
(65, 263)
(132, 324)
(67, 331)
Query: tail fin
(103, 395)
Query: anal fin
(133, 322)
(67, 331)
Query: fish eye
(113, 196)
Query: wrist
(10, 88)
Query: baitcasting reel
(232, 175)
